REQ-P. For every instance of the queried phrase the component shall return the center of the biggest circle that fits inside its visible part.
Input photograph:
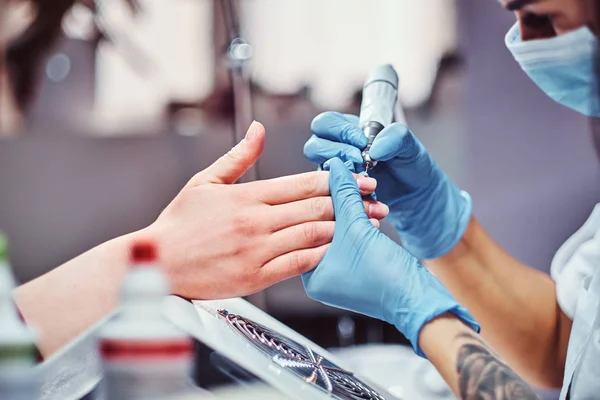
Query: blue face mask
(562, 66)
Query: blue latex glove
(428, 210)
(366, 272)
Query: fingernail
(385, 210)
(252, 130)
(379, 209)
(365, 183)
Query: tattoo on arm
(481, 375)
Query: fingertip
(375, 222)
(378, 210)
(393, 140)
(255, 131)
(366, 184)
(231, 166)
(385, 209)
(254, 141)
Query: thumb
(395, 141)
(347, 201)
(230, 167)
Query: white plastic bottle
(18, 378)
(144, 356)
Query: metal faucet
(238, 54)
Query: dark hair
(25, 55)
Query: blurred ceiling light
(166, 52)
(58, 67)
(79, 23)
(163, 54)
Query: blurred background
(108, 107)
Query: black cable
(232, 22)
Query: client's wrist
(171, 252)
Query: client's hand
(220, 240)
(366, 272)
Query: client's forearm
(468, 365)
(68, 300)
(515, 305)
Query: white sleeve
(576, 262)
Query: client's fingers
(230, 167)
(292, 264)
(302, 186)
(298, 237)
(282, 216)
(376, 209)
(375, 222)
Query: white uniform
(576, 270)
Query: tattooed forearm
(482, 375)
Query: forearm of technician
(514, 303)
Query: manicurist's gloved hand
(428, 210)
(366, 272)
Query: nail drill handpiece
(380, 93)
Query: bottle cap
(3, 247)
(142, 252)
